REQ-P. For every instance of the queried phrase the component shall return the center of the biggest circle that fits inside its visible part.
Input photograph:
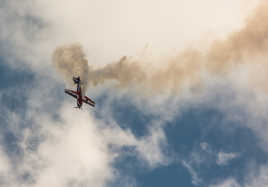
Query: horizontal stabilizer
(88, 101)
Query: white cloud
(254, 178)
(73, 148)
(195, 178)
(148, 148)
(73, 152)
(258, 177)
(70, 151)
(5, 164)
(224, 158)
(77, 149)
(206, 147)
(227, 183)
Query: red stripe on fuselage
(79, 96)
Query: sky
(180, 91)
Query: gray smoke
(70, 62)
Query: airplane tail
(88, 101)
(76, 80)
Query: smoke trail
(186, 68)
(124, 71)
(250, 41)
(70, 61)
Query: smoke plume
(70, 62)
(239, 48)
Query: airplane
(80, 99)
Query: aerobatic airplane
(78, 94)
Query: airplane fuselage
(79, 96)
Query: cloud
(221, 158)
(5, 167)
(195, 179)
(260, 179)
(254, 178)
(227, 183)
(74, 150)
(61, 146)
(149, 148)
(73, 153)
(206, 147)
(225, 158)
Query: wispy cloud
(255, 178)
(227, 183)
(225, 158)
(195, 179)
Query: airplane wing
(88, 101)
(71, 93)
